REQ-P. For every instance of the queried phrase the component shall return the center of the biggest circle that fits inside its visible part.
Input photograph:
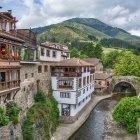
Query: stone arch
(123, 85)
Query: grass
(107, 50)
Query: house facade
(97, 64)
(53, 52)
(9, 58)
(29, 51)
(102, 81)
(72, 85)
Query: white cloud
(135, 32)
(35, 13)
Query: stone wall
(31, 82)
(10, 132)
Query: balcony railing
(9, 85)
(67, 74)
(65, 86)
(9, 57)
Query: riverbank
(65, 131)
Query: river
(100, 124)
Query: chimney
(9, 11)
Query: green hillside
(86, 29)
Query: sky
(124, 14)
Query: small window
(48, 53)
(32, 74)
(45, 68)
(84, 91)
(65, 95)
(42, 51)
(39, 69)
(54, 53)
(26, 76)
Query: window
(79, 103)
(2, 77)
(84, 69)
(54, 54)
(84, 81)
(65, 95)
(32, 74)
(88, 80)
(42, 51)
(3, 49)
(87, 88)
(45, 68)
(39, 69)
(26, 76)
(48, 53)
(65, 83)
(84, 91)
(80, 83)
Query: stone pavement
(65, 131)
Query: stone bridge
(134, 82)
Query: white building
(53, 52)
(72, 85)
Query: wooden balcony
(8, 86)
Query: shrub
(126, 112)
(4, 120)
(45, 113)
(40, 96)
(12, 110)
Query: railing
(66, 74)
(65, 86)
(9, 57)
(9, 85)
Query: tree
(126, 112)
(110, 59)
(74, 53)
(128, 64)
(98, 51)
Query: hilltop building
(72, 85)
(53, 52)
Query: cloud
(34, 13)
(135, 32)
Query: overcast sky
(34, 13)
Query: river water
(100, 124)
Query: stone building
(9, 58)
(102, 81)
(73, 85)
(97, 64)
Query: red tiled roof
(93, 61)
(102, 76)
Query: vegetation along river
(100, 124)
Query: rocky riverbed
(114, 131)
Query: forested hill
(86, 29)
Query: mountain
(84, 29)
